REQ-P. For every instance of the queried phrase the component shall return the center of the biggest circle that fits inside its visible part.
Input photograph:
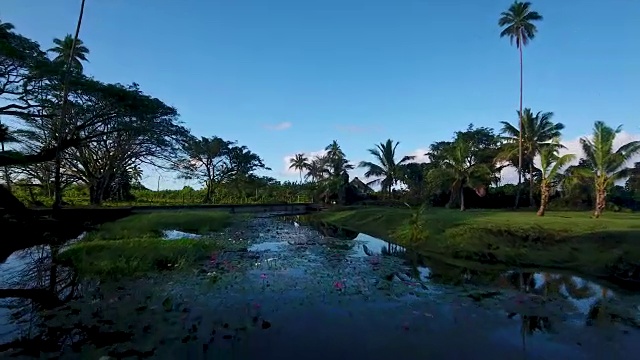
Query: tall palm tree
(6, 137)
(336, 160)
(460, 169)
(386, 169)
(517, 24)
(299, 162)
(57, 202)
(65, 48)
(536, 132)
(605, 165)
(550, 165)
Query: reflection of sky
(582, 305)
(374, 244)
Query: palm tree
(299, 162)
(605, 166)
(460, 169)
(336, 160)
(387, 169)
(6, 137)
(517, 24)
(317, 169)
(538, 132)
(550, 165)
(63, 50)
(57, 202)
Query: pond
(300, 292)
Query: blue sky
(358, 71)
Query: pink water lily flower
(339, 285)
(263, 276)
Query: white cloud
(279, 127)
(510, 175)
(420, 155)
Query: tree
(517, 24)
(119, 126)
(387, 170)
(538, 132)
(414, 175)
(205, 161)
(460, 168)
(68, 69)
(6, 137)
(317, 169)
(605, 165)
(67, 53)
(299, 162)
(550, 165)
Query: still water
(314, 293)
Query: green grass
(133, 246)
(151, 225)
(569, 240)
(115, 259)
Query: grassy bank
(151, 225)
(569, 240)
(134, 246)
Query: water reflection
(30, 282)
(545, 297)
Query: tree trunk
(601, 197)
(57, 182)
(462, 208)
(532, 200)
(63, 113)
(520, 135)
(207, 196)
(544, 199)
(7, 178)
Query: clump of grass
(151, 225)
(414, 231)
(113, 259)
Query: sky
(290, 76)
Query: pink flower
(263, 276)
(339, 285)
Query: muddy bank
(296, 293)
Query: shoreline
(606, 248)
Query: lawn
(134, 246)
(568, 240)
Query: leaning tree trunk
(462, 208)
(544, 199)
(532, 201)
(601, 196)
(520, 134)
(57, 202)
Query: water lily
(338, 285)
